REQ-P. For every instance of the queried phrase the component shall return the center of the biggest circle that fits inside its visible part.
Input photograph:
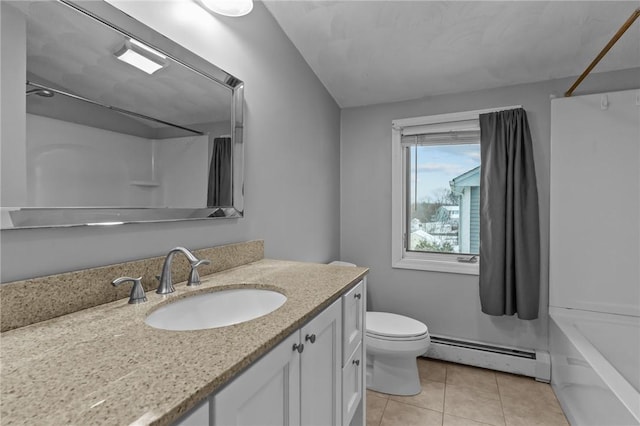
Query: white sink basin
(217, 309)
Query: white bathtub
(595, 366)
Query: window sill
(448, 266)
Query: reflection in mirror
(122, 124)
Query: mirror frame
(113, 17)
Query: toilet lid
(386, 324)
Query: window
(436, 192)
(443, 200)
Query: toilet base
(393, 375)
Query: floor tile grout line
(462, 417)
(467, 418)
(386, 402)
(446, 385)
(416, 406)
(444, 398)
(504, 416)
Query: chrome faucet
(166, 283)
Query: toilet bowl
(393, 342)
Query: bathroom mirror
(121, 124)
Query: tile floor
(459, 395)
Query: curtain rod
(604, 51)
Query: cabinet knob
(356, 362)
(310, 338)
(298, 347)
(357, 295)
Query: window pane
(444, 198)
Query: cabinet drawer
(352, 384)
(352, 320)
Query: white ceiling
(369, 52)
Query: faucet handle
(200, 262)
(194, 275)
(137, 291)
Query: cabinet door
(352, 325)
(352, 384)
(320, 371)
(268, 393)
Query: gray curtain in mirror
(219, 190)
(509, 226)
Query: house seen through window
(443, 193)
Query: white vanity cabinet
(320, 368)
(268, 393)
(352, 384)
(353, 319)
(353, 355)
(198, 416)
(296, 383)
(307, 379)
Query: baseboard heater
(530, 363)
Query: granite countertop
(104, 365)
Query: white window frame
(400, 257)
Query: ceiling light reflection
(233, 8)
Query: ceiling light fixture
(141, 56)
(233, 8)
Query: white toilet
(393, 342)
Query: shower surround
(594, 295)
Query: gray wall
(13, 62)
(447, 303)
(292, 157)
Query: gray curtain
(219, 191)
(509, 227)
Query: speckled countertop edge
(104, 365)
